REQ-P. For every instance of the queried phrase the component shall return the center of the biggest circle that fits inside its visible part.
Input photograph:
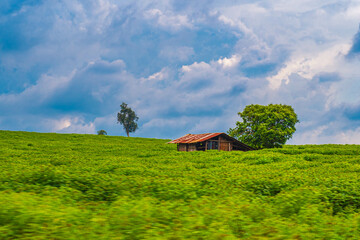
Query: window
(212, 145)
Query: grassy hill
(69, 186)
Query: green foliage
(265, 126)
(127, 118)
(101, 132)
(70, 186)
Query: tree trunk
(127, 132)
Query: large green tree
(265, 126)
(127, 118)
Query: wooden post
(219, 144)
(206, 146)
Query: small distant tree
(265, 126)
(101, 132)
(127, 118)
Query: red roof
(194, 138)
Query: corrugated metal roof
(194, 138)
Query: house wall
(192, 147)
(225, 145)
(187, 147)
(182, 147)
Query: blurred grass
(71, 186)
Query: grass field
(69, 186)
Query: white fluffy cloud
(70, 125)
(307, 65)
(168, 20)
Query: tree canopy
(127, 118)
(101, 132)
(265, 126)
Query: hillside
(70, 186)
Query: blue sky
(183, 66)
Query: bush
(101, 132)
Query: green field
(69, 186)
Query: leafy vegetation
(69, 186)
(265, 126)
(128, 118)
(101, 132)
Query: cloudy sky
(183, 66)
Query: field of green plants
(70, 186)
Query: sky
(182, 66)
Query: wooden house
(209, 141)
